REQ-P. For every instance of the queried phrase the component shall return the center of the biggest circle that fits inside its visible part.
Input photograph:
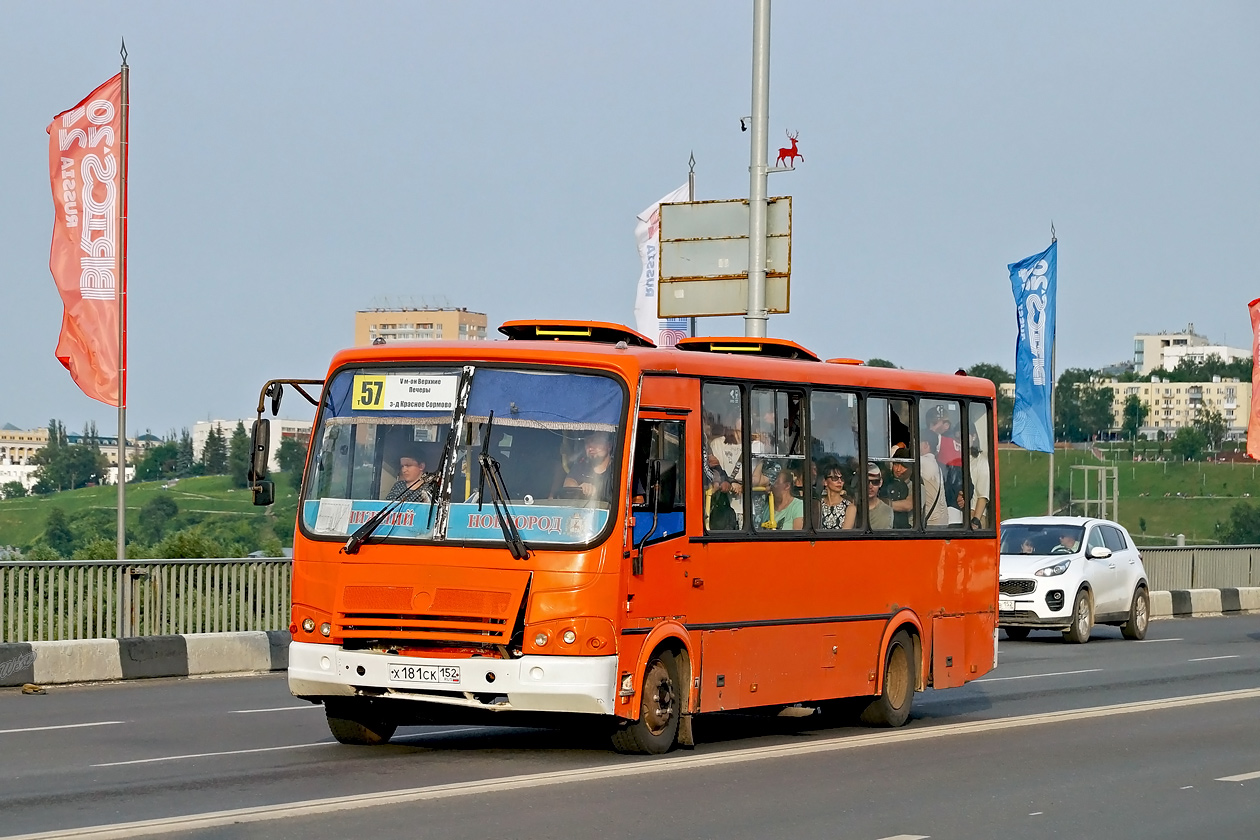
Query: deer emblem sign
(790, 154)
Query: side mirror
(260, 448)
(264, 493)
(275, 390)
(1098, 552)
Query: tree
(1134, 415)
(239, 449)
(999, 376)
(1191, 370)
(159, 462)
(1212, 424)
(214, 456)
(1189, 443)
(291, 455)
(1243, 525)
(155, 515)
(878, 362)
(13, 489)
(1082, 410)
(57, 533)
(186, 463)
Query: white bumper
(532, 683)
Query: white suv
(1069, 573)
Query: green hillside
(1172, 498)
(209, 503)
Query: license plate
(1007, 606)
(424, 674)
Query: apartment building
(387, 325)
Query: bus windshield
(408, 434)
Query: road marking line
(1242, 777)
(1036, 813)
(1214, 658)
(908, 837)
(209, 754)
(1034, 676)
(62, 726)
(274, 709)
(1153, 641)
(282, 810)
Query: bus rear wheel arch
(891, 707)
(662, 700)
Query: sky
(292, 163)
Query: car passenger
(1067, 545)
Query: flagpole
(122, 320)
(1054, 340)
(691, 196)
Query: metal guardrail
(1202, 566)
(112, 599)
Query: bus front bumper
(584, 684)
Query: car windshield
(387, 433)
(1036, 539)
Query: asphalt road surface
(1115, 739)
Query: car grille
(1017, 587)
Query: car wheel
(1082, 619)
(1139, 616)
(1017, 634)
(892, 706)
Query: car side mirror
(1099, 552)
(260, 447)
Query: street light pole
(755, 317)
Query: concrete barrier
(97, 660)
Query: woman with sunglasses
(837, 511)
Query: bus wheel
(350, 723)
(656, 729)
(892, 706)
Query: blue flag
(1033, 282)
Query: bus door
(661, 573)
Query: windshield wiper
(498, 496)
(411, 493)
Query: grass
(1173, 498)
(22, 520)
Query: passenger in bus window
(878, 513)
(789, 510)
(409, 485)
(948, 452)
(590, 477)
(932, 484)
(836, 511)
(979, 482)
(896, 490)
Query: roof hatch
(601, 332)
(777, 348)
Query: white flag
(647, 231)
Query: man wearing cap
(896, 491)
(878, 513)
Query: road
(1112, 739)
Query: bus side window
(979, 466)
(837, 487)
(722, 459)
(891, 450)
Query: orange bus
(577, 522)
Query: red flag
(85, 161)
(1253, 420)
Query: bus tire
(892, 706)
(350, 725)
(660, 710)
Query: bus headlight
(326, 628)
(568, 637)
(541, 639)
(308, 624)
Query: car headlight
(1057, 569)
